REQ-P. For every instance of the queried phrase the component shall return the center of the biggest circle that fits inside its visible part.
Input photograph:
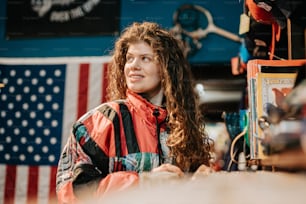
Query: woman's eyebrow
(140, 54)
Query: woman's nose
(135, 64)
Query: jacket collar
(144, 108)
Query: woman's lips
(136, 76)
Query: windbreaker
(109, 146)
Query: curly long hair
(188, 142)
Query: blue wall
(215, 49)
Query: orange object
(265, 17)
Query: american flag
(40, 100)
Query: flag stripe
(32, 184)
(10, 180)
(104, 82)
(83, 89)
(2, 182)
(52, 184)
(43, 185)
(21, 184)
(70, 100)
(95, 87)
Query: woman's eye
(146, 59)
(129, 59)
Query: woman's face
(141, 70)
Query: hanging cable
(234, 142)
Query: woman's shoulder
(106, 109)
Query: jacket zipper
(160, 152)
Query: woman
(152, 121)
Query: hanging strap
(128, 126)
(276, 32)
(130, 137)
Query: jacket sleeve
(78, 179)
(71, 158)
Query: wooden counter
(220, 188)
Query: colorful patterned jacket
(109, 146)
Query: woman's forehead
(140, 47)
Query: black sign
(60, 18)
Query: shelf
(291, 159)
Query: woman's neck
(157, 99)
